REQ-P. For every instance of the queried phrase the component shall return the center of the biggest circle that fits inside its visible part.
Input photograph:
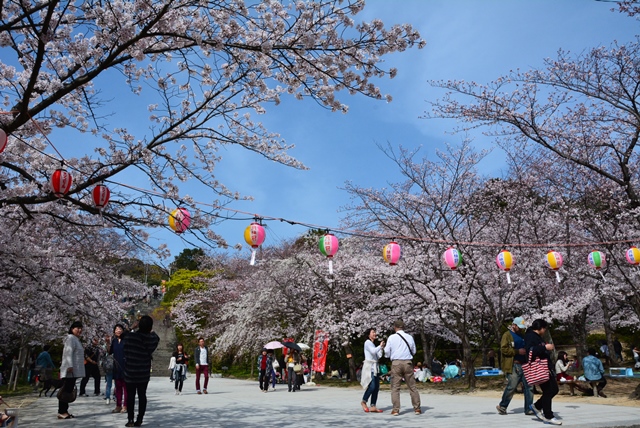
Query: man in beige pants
(400, 349)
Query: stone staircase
(168, 339)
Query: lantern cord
(558, 276)
(508, 278)
(347, 232)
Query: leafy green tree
(189, 259)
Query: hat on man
(519, 322)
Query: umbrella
(292, 345)
(304, 346)
(273, 345)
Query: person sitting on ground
(562, 366)
(594, 371)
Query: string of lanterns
(180, 219)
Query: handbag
(67, 397)
(297, 368)
(536, 371)
(275, 365)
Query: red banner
(320, 348)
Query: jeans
(108, 381)
(121, 393)
(291, 379)
(513, 379)
(204, 369)
(549, 390)
(141, 390)
(372, 390)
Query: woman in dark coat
(117, 350)
(540, 349)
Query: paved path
(237, 403)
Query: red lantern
(101, 196)
(3, 140)
(61, 182)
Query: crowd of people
(522, 348)
(125, 359)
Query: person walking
(514, 355)
(72, 366)
(107, 367)
(292, 360)
(369, 375)
(91, 368)
(181, 359)
(116, 348)
(44, 364)
(265, 365)
(401, 348)
(540, 349)
(138, 349)
(202, 359)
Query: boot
(129, 424)
(138, 421)
(118, 409)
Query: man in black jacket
(138, 348)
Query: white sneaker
(108, 400)
(538, 413)
(177, 392)
(553, 421)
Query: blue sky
(466, 39)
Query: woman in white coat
(369, 378)
(72, 366)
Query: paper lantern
(391, 253)
(554, 261)
(597, 260)
(452, 257)
(328, 246)
(254, 234)
(633, 256)
(179, 220)
(504, 260)
(61, 182)
(100, 195)
(3, 140)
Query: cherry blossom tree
(205, 67)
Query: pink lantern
(504, 260)
(633, 256)
(100, 195)
(554, 262)
(3, 140)
(61, 182)
(452, 257)
(391, 253)
(328, 246)
(254, 235)
(179, 220)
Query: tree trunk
(429, 343)
(579, 333)
(608, 331)
(468, 361)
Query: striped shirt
(138, 348)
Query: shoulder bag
(66, 396)
(536, 371)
